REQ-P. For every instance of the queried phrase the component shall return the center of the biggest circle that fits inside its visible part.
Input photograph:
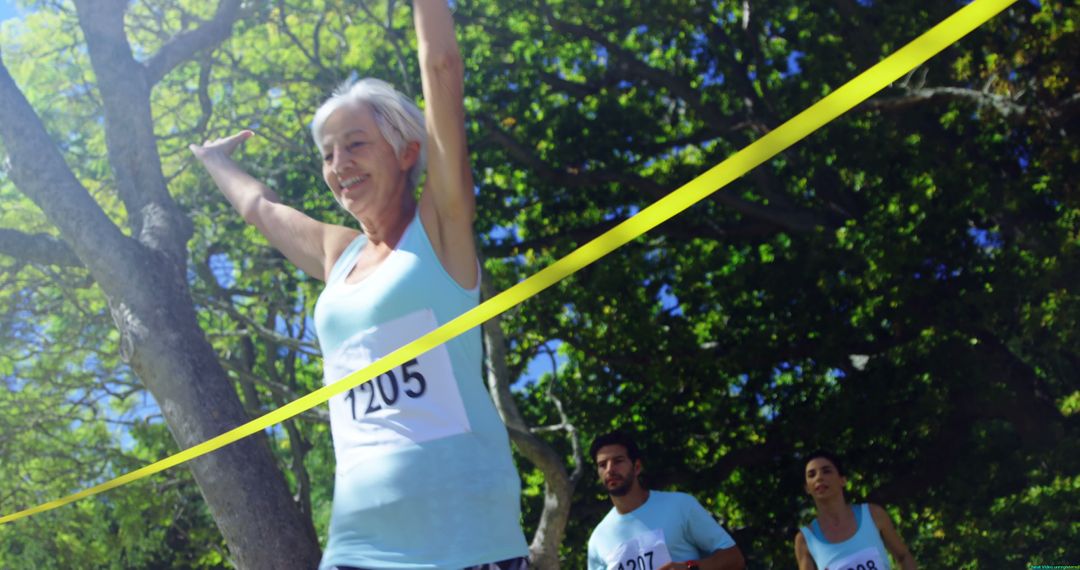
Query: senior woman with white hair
(424, 474)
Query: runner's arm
(802, 553)
(724, 559)
(891, 538)
(447, 202)
(311, 245)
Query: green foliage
(915, 325)
(69, 407)
(898, 287)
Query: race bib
(865, 559)
(643, 552)
(415, 402)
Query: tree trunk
(558, 484)
(144, 276)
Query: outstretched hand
(223, 147)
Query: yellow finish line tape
(840, 101)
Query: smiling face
(617, 472)
(823, 479)
(360, 167)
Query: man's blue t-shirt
(667, 527)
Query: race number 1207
(640, 562)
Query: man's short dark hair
(616, 438)
(828, 455)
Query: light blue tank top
(863, 551)
(424, 475)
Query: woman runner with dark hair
(843, 536)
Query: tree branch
(1007, 107)
(795, 220)
(687, 229)
(860, 30)
(935, 462)
(314, 56)
(1031, 410)
(38, 170)
(37, 248)
(627, 63)
(262, 332)
(155, 220)
(185, 45)
(281, 391)
(206, 67)
(558, 487)
(565, 425)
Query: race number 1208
(868, 565)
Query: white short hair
(399, 120)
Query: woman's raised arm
(311, 245)
(447, 205)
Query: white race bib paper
(643, 552)
(413, 403)
(865, 559)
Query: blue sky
(7, 10)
